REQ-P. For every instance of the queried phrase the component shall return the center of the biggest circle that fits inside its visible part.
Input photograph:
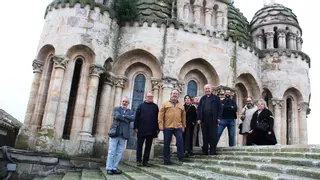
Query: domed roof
(238, 25)
(274, 14)
(155, 8)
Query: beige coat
(247, 117)
(170, 116)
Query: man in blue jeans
(229, 114)
(122, 118)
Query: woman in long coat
(191, 118)
(261, 126)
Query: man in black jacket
(146, 126)
(229, 114)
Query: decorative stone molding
(37, 66)
(281, 33)
(156, 83)
(109, 80)
(96, 70)
(180, 86)
(277, 103)
(292, 36)
(303, 106)
(269, 35)
(220, 91)
(120, 82)
(60, 61)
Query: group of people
(206, 118)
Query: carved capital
(303, 106)
(269, 35)
(60, 61)
(168, 82)
(120, 82)
(208, 11)
(180, 86)
(156, 83)
(292, 36)
(198, 3)
(299, 40)
(277, 103)
(259, 37)
(96, 70)
(37, 66)
(109, 80)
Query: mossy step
(198, 173)
(276, 148)
(54, 177)
(133, 173)
(242, 172)
(72, 176)
(160, 173)
(278, 154)
(269, 167)
(278, 160)
(112, 177)
(88, 174)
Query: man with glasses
(121, 123)
(146, 126)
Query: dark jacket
(146, 120)
(229, 108)
(191, 114)
(263, 138)
(123, 118)
(216, 107)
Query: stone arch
(198, 77)
(290, 115)
(250, 83)
(127, 59)
(241, 94)
(202, 68)
(86, 52)
(108, 64)
(267, 96)
(45, 52)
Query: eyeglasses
(125, 101)
(150, 96)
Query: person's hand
(136, 130)
(269, 132)
(161, 129)
(158, 131)
(199, 121)
(182, 129)
(218, 121)
(250, 131)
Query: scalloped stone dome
(155, 8)
(274, 14)
(238, 25)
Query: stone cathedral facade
(88, 59)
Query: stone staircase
(263, 162)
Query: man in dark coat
(229, 114)
(121, 121)
(146, 126)
(209, 114)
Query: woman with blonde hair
(261, 126)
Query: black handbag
(262, 126)
(240, 129)
(114, 130)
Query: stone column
(260, 41)
(292, 41)
(120, 85)
(281, 39)
(37, 72)
(208, 17)
(277, 118)
(270, 40)
(219, 19)
(155, 88)
(197, 14)
(54, 91)
(104, 107)
(299, 43)
(303, 128)
(95, 72)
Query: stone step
(134, 173)
(198, 173)
(72, 176)
(278, 160)
(276, 148)
(90, 174)
(308, 172)
(237, 171)
(160, 173)
(277, 154)
(112, 177)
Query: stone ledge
(287, 52)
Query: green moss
(126, 10)
(233, 64)
(22, 142)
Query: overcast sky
(22, 23)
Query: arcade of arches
(72, 97)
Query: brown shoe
(117, 171)
(146, 164)
(139, 164)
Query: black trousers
(147, 148)
(209, 133)
(188, 138)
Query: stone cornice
(287, 52)
(273, 23)
(56, 4)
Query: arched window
(192, 88)
(137, 98)
(72, 98)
